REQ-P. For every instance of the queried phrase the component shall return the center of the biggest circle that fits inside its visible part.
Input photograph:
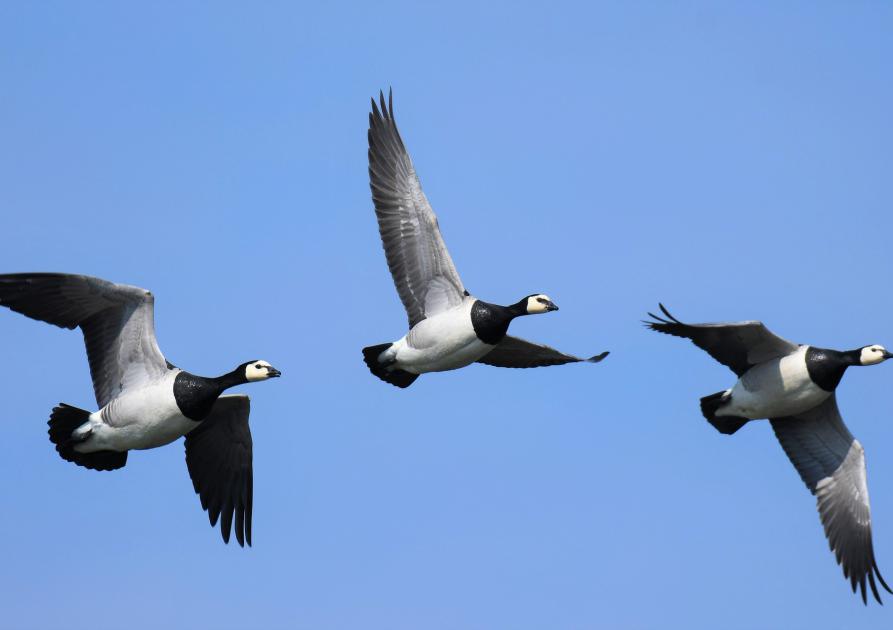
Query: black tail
(400, 378)
(724, 424)
(63, 422)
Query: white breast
(775, 389)
(444, 342)
(147, 417)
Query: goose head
(872, 355)
(537, 303)
(258, 371)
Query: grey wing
(513, 352)
(739, 345)
(420, 264)
(218, 456)
(831, 463)
(118, 322)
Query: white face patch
(872, 355)
(257, 371)
(534, 306)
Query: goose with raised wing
(794, 387)
(143, 400)
(448, 327)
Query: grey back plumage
(118, 322)
(420, 264)
(831, 463)
(737, 345)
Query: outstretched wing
(739, 345)
(832, 465)
(513, 352)
(218, 456)
(118, 322)
(420, 264)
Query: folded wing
(218, 456)
(118, 322)
(739, 346)
(420, 264)
(513, 352)
(832, 465)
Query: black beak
(551, 306)
(888, 355)
(273, 372)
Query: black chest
(195, 395)
(490, 321)
(826, 367)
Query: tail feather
(63, 422)
(400, 378)
(724, 424)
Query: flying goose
(793, 386)
(144, 401)
(449, 328)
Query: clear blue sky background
(733, 161)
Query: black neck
(196, 395)
(518, 309)
(827, 367)
(230, 379)
(491, 321)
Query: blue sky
(730, 160)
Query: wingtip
(598, 357)
(880, 577)
(667, 313)
(660, 322)
(656, 324)
(384, 107)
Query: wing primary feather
(117, 322)
(218, 457)
(667, 313)
(420, 265)
(240, 526)
(874, 592)
(737, 345)
(513, 352)
(831, 462)
(226, 515)
(249, 505)
(879, 576)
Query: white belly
(146, 418)
(444, 342)
(775, 389)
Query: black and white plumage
(144, 401)
(449, 328)
(794, 387)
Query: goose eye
(257, 367)
(541, 300)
